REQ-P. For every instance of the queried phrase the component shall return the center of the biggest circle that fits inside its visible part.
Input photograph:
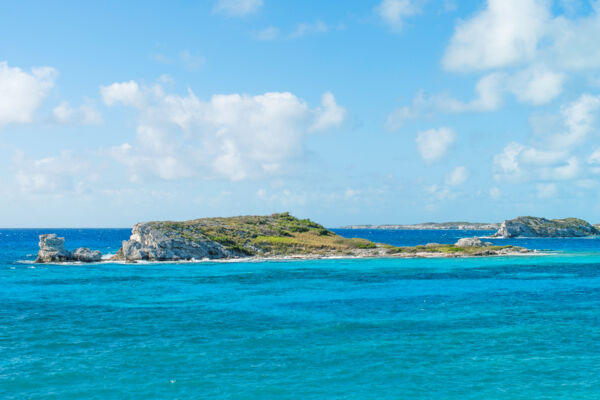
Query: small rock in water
(86, 255)
(469, 242)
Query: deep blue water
(523, 327)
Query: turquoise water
(486, 328)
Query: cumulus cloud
(522, 49)
(85, 114)
(535, 85)
(329, 115)
(21, 92)
(233, 136)
(434, 143)
(488, 98)
(517, 32)
(457, 176)
(393, 12)
(554, 155)
(506, 32)
(237, 8)
(126, 93)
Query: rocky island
(269, 237)
(274, 236)
(542, 227)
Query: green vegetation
(554, 227)
(446, 249)
(283, 234)
(277, 234)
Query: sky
(353, 112)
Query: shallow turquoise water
(493, 328)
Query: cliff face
(155, 241)
(542, 227)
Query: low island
(275, 236)
(542, 227)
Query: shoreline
(422, 255)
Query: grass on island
(445, 249)
(283, 234)
(566, 223)
(277, 234)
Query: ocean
(520, 327)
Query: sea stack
(52, 250)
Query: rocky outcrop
(156, 242)
(84, 254)
(542, 227)
(272, 236)
(52, 250)
(471, 242)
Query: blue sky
(385, 111)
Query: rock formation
(271, 236)
(84, 254)
(470, 242)
(542, 227)
(52, 249)
(277, 235)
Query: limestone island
(277, 236)
(542, 227)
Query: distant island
(511, 228)
(542, 227)
(275, 236)
(466, 226)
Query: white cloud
(537, 85)
(506, 32)
(489, 97)
(394, 12)
(458, 176)
(85, 114)
(21, 93)
(580, 118)
(233, 136)
(237, 8)
(126, 93)
(329, 115)
(53, 175)
(507, 162)
(433, 143)
(553, 154)
(269, 33)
